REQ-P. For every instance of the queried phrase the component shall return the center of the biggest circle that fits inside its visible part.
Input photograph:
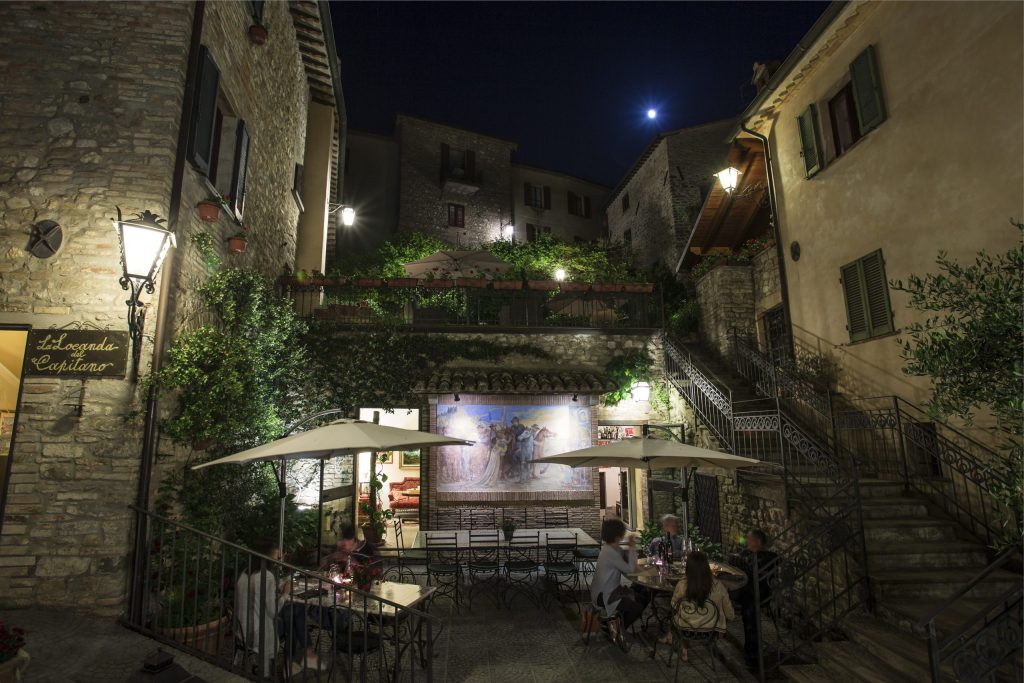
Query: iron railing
(474, 304)
(259, 617)
(987, 642)
(709, 397)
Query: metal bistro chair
(522, 567)
(556, 518)
(702, 630)
(410, 566)
(443, 565)
(516, 515)
(560, 570)
(482, 518)
(483, 564)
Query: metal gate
(709, 516)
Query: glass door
(13, 341)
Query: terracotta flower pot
(206, 638)
(368, 282)
(477, 282)
(437, 284)
(507, 284)
(208, 211)
(236, 245)
(402, 282)
(575, 286)
(639, 288)
(607, 287)
(257, 34)
(542, 285)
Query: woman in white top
(606, 589)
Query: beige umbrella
(647, 454)
(458, 264)
(340, 437)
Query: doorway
(780, 347)
(13, 341)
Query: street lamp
(144, 243)
(348, 216)
(509, 231)
(641, 391)
(728, 177)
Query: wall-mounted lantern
(728, 177)
(144, 243)
(641, 391)
(348, 216)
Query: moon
(652, 113)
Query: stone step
(908, 530)
(884, 556)
(869, 488)
(902, 652)
(907, 615)
(847, 661)
(807, 673)
(939, 584)
(881, 508)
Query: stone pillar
(311, 242)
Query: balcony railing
(476, 304)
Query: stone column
(311, 242)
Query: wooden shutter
(204, 112)
(876, 294)
(810, 147)
(586, 206)
(445, 161)
(856, 301)
(240, 170)
(470, 164)
(527, 194)
(867, 90)
(547, 197)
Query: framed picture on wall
(410, 460)
(386, 458)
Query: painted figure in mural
(525, 439)
(540, 436)
(515, 450)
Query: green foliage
(582, 262)
(684, 319)
(701, 542)
(374, 511)
(205, 246)
(742, 256)
(633, 367)
(389, 259)
(971, 347)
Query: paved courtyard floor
(522, 645)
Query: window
(579, 205)
(457, 164)
(843, 116)
(218, 140)
(627, 239)
(537, 196)
(456, 216)
(867, 90)
(625, 201)
(866, 291)
(810, 147)
(534, 232)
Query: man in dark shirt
(746, 596)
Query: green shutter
(204, 112)
(810, 147)
(241, 169)
(877, 294)
(867, 90)
(856, 300)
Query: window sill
(834, 160)
(234, 218)
(894, 333)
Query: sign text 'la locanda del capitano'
(77, 353)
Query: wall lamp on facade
(144, 243)
(641, 391)
(348, 216)
(728, 177)
(560, 274)
(508, 232)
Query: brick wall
(90, 123)
(423, 202)
(726, 300)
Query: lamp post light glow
(560, 274)
(728, 177)
(348, 216)
(144, 243)
(508, 231)
(641, 391)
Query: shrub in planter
(437, 284)
(367, 282)
(575, 286)
(507, 284)
(402, 282)
(210, 208)
(542, 285)
(475, 282)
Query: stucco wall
(564, 225)
(943, 171)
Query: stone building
(189, 101)
(653, 208)
(556, 205)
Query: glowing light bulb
(560, 274)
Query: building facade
(548, 203)
(187, 105)
(653, 208)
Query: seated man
(349, 548)
(669, 534)
(754, 548)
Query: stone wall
(767, 284)
(90, 124)
(725, 296)
(746, 504)
(423, 201)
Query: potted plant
(376, 516)
(209, 208)
(13, 657)
(363, 575)
(508, 529)
(193, 620)
(443, 282)
(402, 282)
(237, 241)
(542, 285)
(507, 282)
(258, 34)
(477, 282)
(368, 282)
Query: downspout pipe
(150, 435)
(776, 227)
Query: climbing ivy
(628, 369)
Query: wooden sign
(85, 354)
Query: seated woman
(606, 589)
(700, 602)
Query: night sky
(570, 82)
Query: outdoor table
(583, 539)
(647, 575)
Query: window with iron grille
(456, 216)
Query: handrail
(978, 578)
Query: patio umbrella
(647, 453)
(458, 264)
(340, 437)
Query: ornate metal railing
(709, 397)
(259, 617)
(471, 303)
(987, 642)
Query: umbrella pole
(283, 492)
(650, 493)
(320, 516)
(686, 507)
